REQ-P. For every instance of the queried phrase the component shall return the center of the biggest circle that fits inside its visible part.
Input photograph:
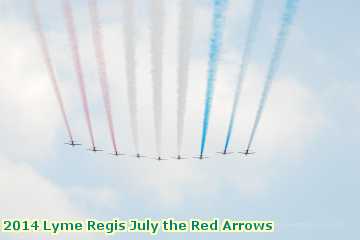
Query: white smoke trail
(286, 22)
(129, 40)
(186, 16)
(157, 29)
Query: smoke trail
(184, 48)
(100, 58)
(287, 19)
(157, 25)
(49, 66)
(78, 68)
(215, 45)
(129, 39)
(250, 39)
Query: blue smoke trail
(215, 45)
(249, 42)
(286, 22)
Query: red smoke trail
(45, 52)
(97, 38)
(76, 57)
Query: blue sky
(304, 175)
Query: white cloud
(27, 104)
(89, 198)
(25, 193)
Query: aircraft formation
(94, 149)
(186, 19)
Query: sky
(304, 175)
